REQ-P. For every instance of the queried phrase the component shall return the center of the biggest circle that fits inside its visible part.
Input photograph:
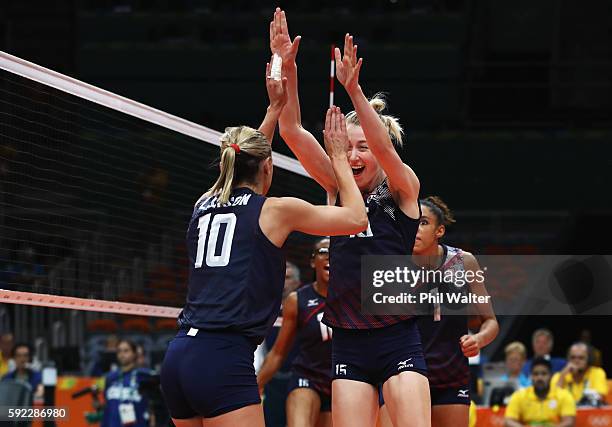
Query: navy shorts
(375, 355)
(441, 396)
(208, 375)
(450, 395)
(303, 381)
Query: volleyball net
(96, 191)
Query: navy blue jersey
(389, 232)
(314, 358)
(122, 388)
(440, 334)
(236, 274)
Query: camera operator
(125, 405)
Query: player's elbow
(359, 222)
(289, 130)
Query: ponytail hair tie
(236, 147)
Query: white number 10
(213, 260)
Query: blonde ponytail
(242, 149)
(223, 186)
(392, 124)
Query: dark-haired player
(444, 334)
(309, 399)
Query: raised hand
(347, 67)
(335, 135)
(280, 42)
(277, 89)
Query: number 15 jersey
(236, 275)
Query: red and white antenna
(332, 73)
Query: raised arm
(471, 344)
(283, 343)
(277, 93)
(281, 216)
(303, 144)
(403, 182)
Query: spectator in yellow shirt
(540, 404)
(6, 347)
(587, 384)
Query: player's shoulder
(469, 260)
(304, 289)
(290, 303)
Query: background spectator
(587, 384)
(292, 279)
(516, 355)
(22, 353)
(585, 337)
(7, 363)
(124, 403)
(540, 404)
(542, 342)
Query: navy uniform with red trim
(235, 288)
(312, 366)
(447, 367)
(393, 342)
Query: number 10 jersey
(236, 275)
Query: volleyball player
(446, 343)
(235, 243)
(367, 350)
(309, 398)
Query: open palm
(280, 42)
(348, 67)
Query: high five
(367, 350)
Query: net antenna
(332, 74)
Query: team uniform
(235, 288)
(124, 403)
(312, 366)
(393, 343)
(447, 367)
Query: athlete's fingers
(338, 58)
(343, 125)
(328, 121)
(284, 26)
(296, 44)
(346, 46)
(277, 21)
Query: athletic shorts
(441, 396)
(208, 374)
(374, 355)
(303, 381)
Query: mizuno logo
(463, 393)
(313, 302)
(404, 364)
